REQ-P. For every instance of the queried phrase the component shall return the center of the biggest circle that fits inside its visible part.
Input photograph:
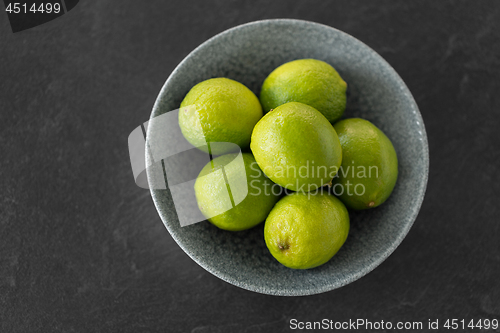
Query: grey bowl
(248, 53)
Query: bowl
(248, 53)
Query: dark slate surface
(82, 249)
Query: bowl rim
(351, 277)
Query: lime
(233, 193)
(219, 110)
(309, 81)
(369, 165)
(305, 230)
(297, 147)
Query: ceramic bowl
(248, 53)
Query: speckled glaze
(248, 53)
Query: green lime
(233, 193)
(369, 165)
(309, 81)
(297, 147)
(219, 110)
(305, 230)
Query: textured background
(82, 249)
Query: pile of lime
(305, 167)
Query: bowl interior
(248, 53)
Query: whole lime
(305, 230)
(219, 110)
(297, 147)
(309, 81)
(233, 193)
(369, 165)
